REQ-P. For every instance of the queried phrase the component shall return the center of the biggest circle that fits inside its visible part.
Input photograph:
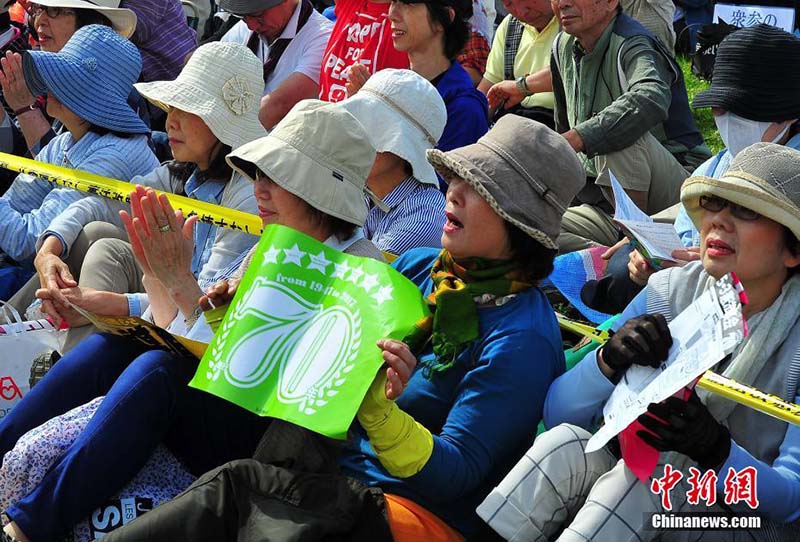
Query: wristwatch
(522, 85)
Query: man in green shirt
(621, 103)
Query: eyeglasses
(52, 11)
(716, 204)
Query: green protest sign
(298, 341)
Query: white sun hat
(123, 20)
(403, 114)
(222, 84)
(320, 153)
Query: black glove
(688, 428)
(644, 340)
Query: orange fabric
(411, 523)
(17, 13)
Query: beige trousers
(645, 166)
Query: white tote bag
(20, 343)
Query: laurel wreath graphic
(317, 396)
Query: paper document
(654, 240)
(702, 335)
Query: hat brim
(448, 165)
(297, 173)
(123, 20)
(112, 112)
(403, 139)
(240, 8)
(745, 190)
(231, 129)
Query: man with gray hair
(289, 37)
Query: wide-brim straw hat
(756, 75)
(123, 20)
(764, 178)
(92, 75)
(320, 153)
(403, 114)
(222, 84)
(525, 171)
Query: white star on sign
(271, 255)
(293, 255)
(370, 281)
(383, 294)
(355, 274)
(319, 262)
(340, 269)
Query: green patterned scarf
(453, 322)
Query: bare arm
(277, 103)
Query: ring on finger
(165, 228)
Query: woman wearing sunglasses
(749, 224)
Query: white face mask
(739, 133)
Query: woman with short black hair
(433, 34)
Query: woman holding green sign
(462, 395)
(147, 400)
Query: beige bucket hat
(403, 114)
(524, 170)
(320, 153)
(123, 20)
(764, 177)
(222, 84)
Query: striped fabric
(163, 37)
(30, 204)
(415, 218)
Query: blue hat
(92, 75)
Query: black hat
(756, 75)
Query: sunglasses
(716, 204)
(52, 11)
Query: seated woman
(433, 33)
(406, 209)
(55, 22)
(749, 223)
(460, 403)
(205, 119)
(147, 400)
(87, 83)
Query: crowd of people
(470, 156)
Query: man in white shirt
(289, 37)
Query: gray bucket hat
(246, 7)
(764, 177)
(320, 153)
(524, 170)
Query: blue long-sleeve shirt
(467, 109)
(482, 412)
(778, 484)
(30, 204)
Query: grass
(703, 117)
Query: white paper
(742, 16)
(703, 334)
(657, 239)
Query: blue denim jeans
(147, 402)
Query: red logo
(9, 389)
(739, 486)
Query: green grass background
(703, 117)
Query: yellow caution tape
(751, 397)
(584, 330)
(208, 213)
(766, 403)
